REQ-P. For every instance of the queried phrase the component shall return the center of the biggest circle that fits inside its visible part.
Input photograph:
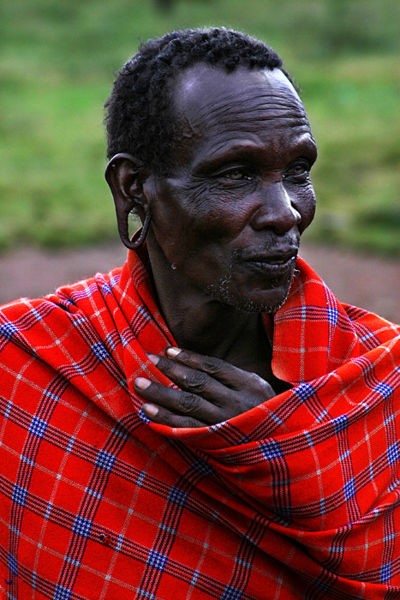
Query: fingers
(174, 407)
(192, 380)
(227, 374)
(217, 368)
(209, 390)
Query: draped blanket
(296, 498)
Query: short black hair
(139, 113)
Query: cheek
(215, 214)
(305, 204)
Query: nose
(276, 211)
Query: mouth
(277, 264)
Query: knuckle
(188, 403)
(196, 382)
(260, 383)
(213, 365)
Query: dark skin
(223, 240)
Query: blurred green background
(58, 61)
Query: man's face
(230, 214)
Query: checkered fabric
(297, 498)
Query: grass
(58, 62)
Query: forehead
(213, 105)
(204, 83)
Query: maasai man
(207, 421)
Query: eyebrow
(305, 146)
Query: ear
(125, 175)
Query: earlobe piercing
(124, 234)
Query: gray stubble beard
(221, 291)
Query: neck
(202, 324)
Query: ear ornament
(135, 244)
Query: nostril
(280, 219)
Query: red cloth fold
(297, 498)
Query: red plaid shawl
(297, 498)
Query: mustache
(273, 246)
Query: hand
(211, 390)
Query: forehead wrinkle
(234, 128)
(215, 148)
(261, 108)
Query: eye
(237, 174)
(298, 171)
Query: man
(208, 421)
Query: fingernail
(142, 383)
(150, 409)
(172, 352)
(154, 359)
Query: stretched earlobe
(125, 176)
(123, 230)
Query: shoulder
(372, 330)
(34, 323)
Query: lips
(273, 262)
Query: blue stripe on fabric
(27, 460)
(332, 315)
(120, 432)
(141, 478)
(70, 444)
(386, 573)
(349, 489)
(142, 311)
(345, 455)
(340, 423)
(51, 395)
(275, 418)
(143, 417)
(14, 529)
(49, 508)
(145, 594)
(110, 342)
(156, 560)
(177, 496)
(120, 541)
(37, 315)
(304, 391)
(201, 466)
(100, 351)
(393, 453)
(170, 530)
(231, 593)
(384, 388)
(62, 593)
(82, 526)
(93, 493)
(12, 564)
(38, 427)
(79, 321)
(78, 368)
(105, 460)
(309, 439)
(8, 409)
(7, 330)
(19, 495)
(322, 506)
(322, 415)
(271, 450)
(73, 561)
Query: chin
(267, 300)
